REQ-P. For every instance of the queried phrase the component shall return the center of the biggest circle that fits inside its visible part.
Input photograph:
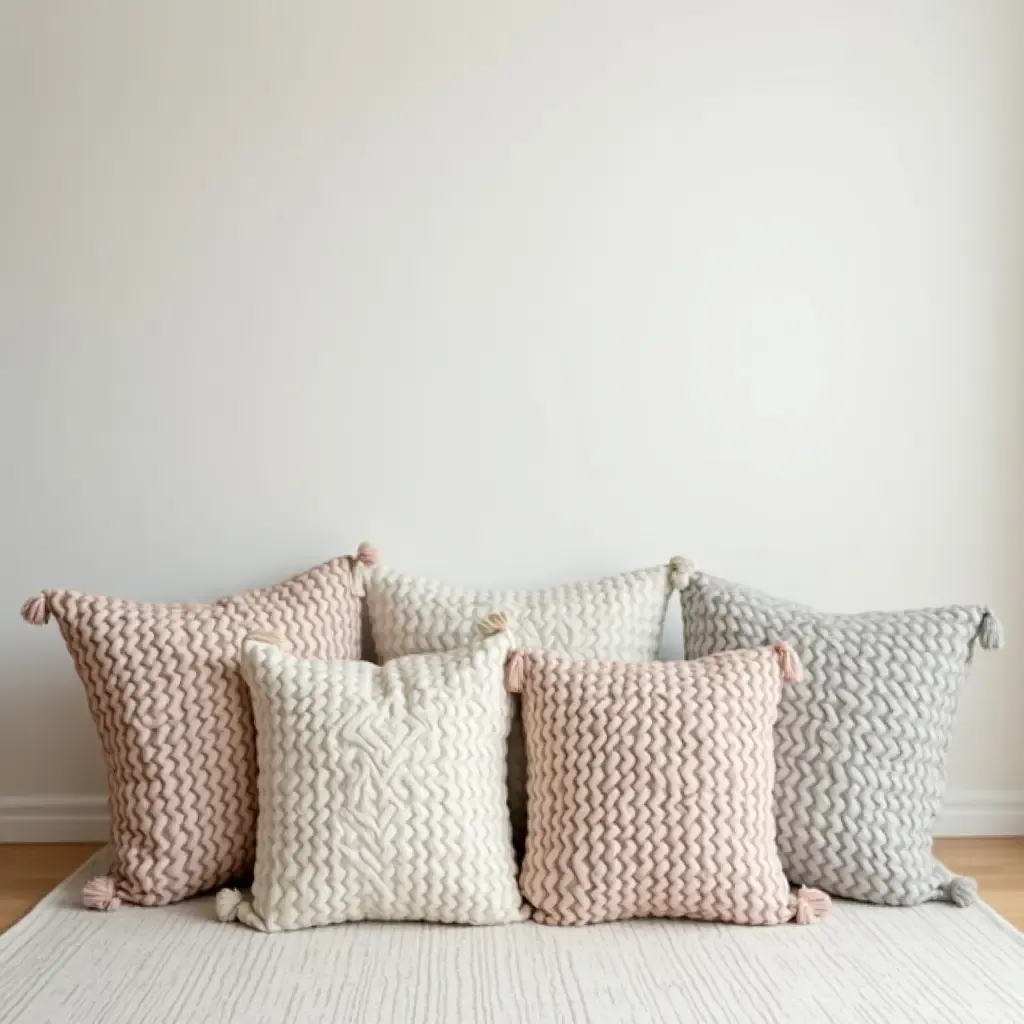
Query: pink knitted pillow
(165, 690)
(649, 788)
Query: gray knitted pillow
(860, 744)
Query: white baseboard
(53, 819)
(68, 819)
(995, 812)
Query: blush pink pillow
(649, 789)
(164, 686)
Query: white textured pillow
(381, 790)
(618, 618)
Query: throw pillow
(650, 789)
(616, 617)
(382, 790)
(860, 745)
(173, 716)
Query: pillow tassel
(228, 901)
(680, 571)
(960, 891)
(789, 663)
(514, 670)
(36, 611)
(493, 624)
(265, 636)
(811, 905)
(990, 632)
(366, 557)
(101, 893)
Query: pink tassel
(265, 637)
(36, 611)
(514, 672)
(367, 554)
(811, 905)
(789, 663)
(101, 893)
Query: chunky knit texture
(618, 617)
(382, 790)
(650, 789)
(173, 715)
(861, 743)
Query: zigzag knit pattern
(861, 743)
(618, 617)
(650, 789)
(382, 790)
(172, 711)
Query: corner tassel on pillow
(990, 632)
(680, 571)
(35, 610)
(264, 636)
(960, 891)
(101, 893)
(514, 670)
(811, 905)
(789, 663)
(230, 906)
(366, 558)
(493, 624)
(227, 902)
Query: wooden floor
(29, 871)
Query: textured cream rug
(933, 963)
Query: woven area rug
(882, 965)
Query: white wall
(521, 291)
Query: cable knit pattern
(861, 743)
(382, 790)
(650, 789)
(618, 617)
(173, 715)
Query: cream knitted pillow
(173, 716)
(382, 790)
(650, 789)
(618, 617)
